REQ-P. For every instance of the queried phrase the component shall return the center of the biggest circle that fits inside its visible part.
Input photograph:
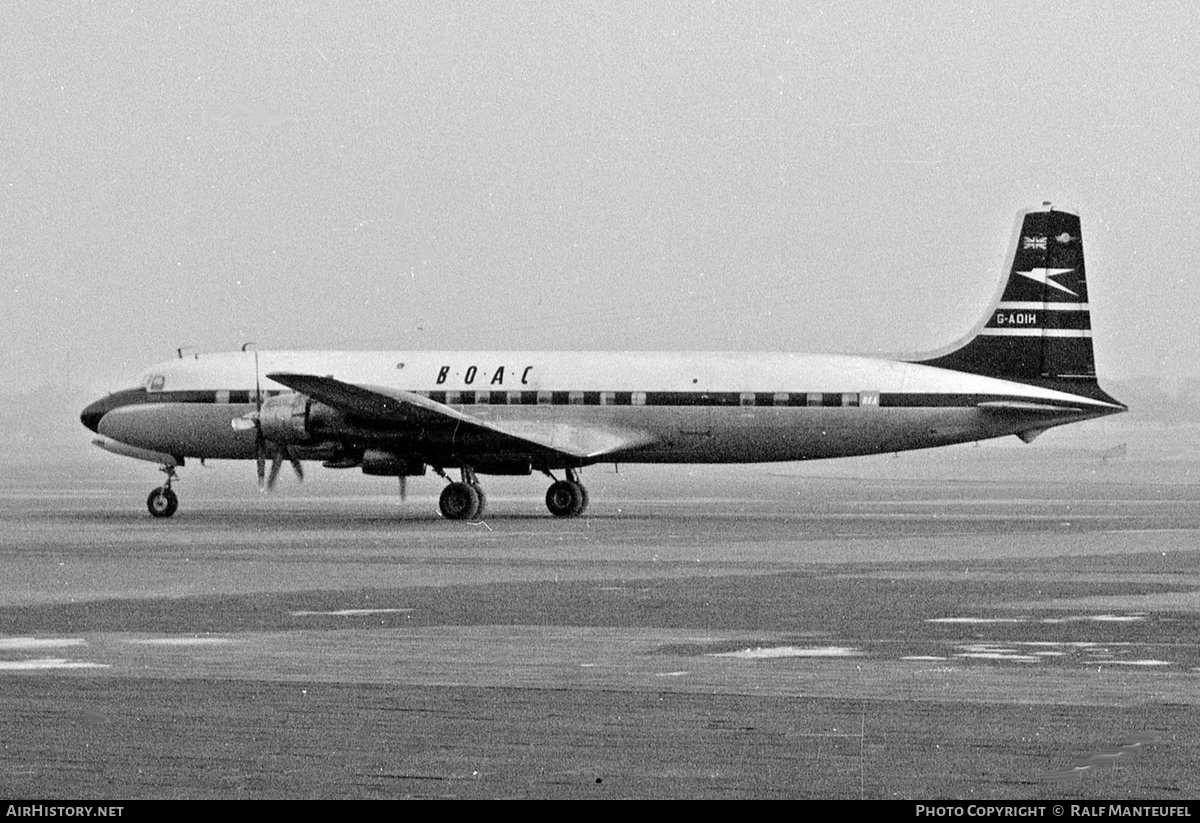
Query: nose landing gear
(163, 502)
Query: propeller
(262, 447)
(281, 454)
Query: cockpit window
(157, 382)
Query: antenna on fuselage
(182, 349)
(247, 345)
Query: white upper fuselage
(423, 371)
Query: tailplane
(1039, 330)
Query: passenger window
(747, 398)
(157, 382)
(781, 398)
(638, 398)
(607, 398)
(575, 398)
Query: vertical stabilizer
(1040, 330)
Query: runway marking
(182, 641)
(1107, 662)
(1096, 618)
(924, 657)
(1018, 501)
(761, 653)
(672, 674)
(1102, 618)
(49, 663)
(350, 612)
(40, 642)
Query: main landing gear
(163, 502)
(567, 498)
(464, 500)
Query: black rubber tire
(459, 501)
(162, 502)
(565, 499)
(482, 509)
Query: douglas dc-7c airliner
(1027, 366)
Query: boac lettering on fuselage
(1016, 318)
(498, 376)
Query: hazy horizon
(838, 177)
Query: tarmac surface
(758, 635)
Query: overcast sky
(835, 176)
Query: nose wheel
(163, 502)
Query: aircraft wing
(396, 409)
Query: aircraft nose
(94, 413)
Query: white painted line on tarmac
(790, 651)
(40, 642)
(1094, 618)
(350, 612)
(182, 641)
(43, 663)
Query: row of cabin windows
(609, 398)
(541, 398)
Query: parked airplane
(1027, 367)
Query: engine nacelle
(293, 418)
(382, 463)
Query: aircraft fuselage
(678, 408)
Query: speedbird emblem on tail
(1028, 366)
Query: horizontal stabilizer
(1027, 408)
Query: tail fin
(1039, 330)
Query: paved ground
(763, 635)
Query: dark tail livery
(1039, 331)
